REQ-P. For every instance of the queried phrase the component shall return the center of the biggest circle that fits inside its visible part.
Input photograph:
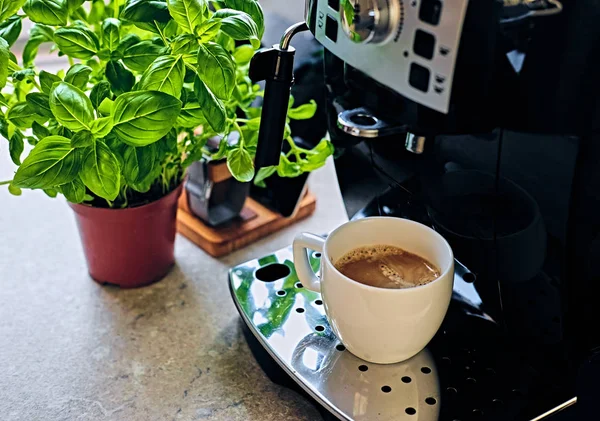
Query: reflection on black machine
(482, 118)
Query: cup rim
(445, 272)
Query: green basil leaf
(101, 127)
(78, 75)
(40, 103)
(52, 162)
(100, 91)
(121, 80)
(48, 12)
(146, 11)
(187, 13)
(32, 140)
(127, 41)
(216, 69)
(243, 54)
(51, 192)
(238, 25)
(38, 35)
(82, 139)
(78, 42)
(317, 157)
(191, 116)
(165, 75)
(9, 8)
(138, 164)
(64, 132)
(39, 131)
(23, 115)
(252, 7)
(143, 117)
(212, 107)
(118, 148)
(71, 107)
(263, 174)
(10, 29)
(100, 171)
(74, 191)
(4, 55)
(304, 111)
(97, 11)
(167, 144)
(23, 74)
(106, 107)
(15, 191)
(221, 152)
(184, 44)
(16, 147)
(74, 5)
(139, 56)
(47, 80)
(111, 33)
(240, 164)
(286, 168)
(208, 30)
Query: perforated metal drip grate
(466, 373)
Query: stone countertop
(74, 350)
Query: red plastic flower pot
(129, 247)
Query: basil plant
(148, 83)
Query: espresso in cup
(386, 266)
(380, 325)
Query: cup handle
(306, 276)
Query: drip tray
(467, 372)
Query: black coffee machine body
(480, 119)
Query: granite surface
(74, 350)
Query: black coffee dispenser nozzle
(274, 65)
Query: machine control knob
(370, 21)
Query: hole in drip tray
(430, 401)
(363, 367)
(320, 328)
(469, 277)
(300, 310)
(490, 371)
(410, 411)
(340, 347)
(318, 302)
(477, 413)
(498, 402)
(317, 255)
(298, 285)
(281, 293)
(517, 392)
(446, 360)
(272, 272)
(425, 370)
(386, 389)
(406, 379)
(452, 391)
(471, 380)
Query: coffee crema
(386, 266)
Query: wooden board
(254, 223)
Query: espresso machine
(480, 119)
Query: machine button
(430, 11)
(424, 44)
(419, 77)
(334, 4)
(331, 28)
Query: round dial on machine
(370, 21)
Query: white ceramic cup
(379, 325)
